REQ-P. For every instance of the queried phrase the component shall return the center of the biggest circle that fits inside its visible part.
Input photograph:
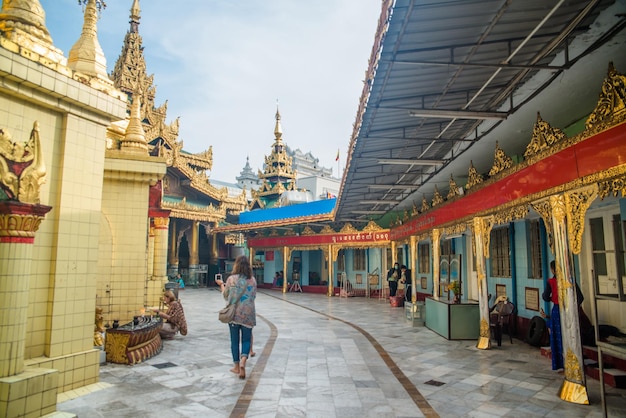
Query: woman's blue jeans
(239, 333)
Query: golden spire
(135, 15)
(135, 138)
(24, 22)
(278, 130)
(86, 55)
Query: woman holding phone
(240, 290)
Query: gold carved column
(413, 257)
(568, 212)
(161, 227)
(286, 256)
(481, 228)
(331, 258)
(435, 237)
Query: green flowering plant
(455, 286)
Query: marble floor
(330, 357)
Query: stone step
(614, 368)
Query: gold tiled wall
(125, 206)
(13, 305)
(72, 120)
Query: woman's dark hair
(242, 266)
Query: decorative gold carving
(414, 210)
(544, 137)
(327, 230)
(501, 161)
(308, 231)
(473, 177)
(289, 233)
(425, 205)
(161, 222)
(542, 207)
(437, 198)
(455, 229)
(511, 214)
(15, 225)
(576, 203)
(116, 344)
(612, 187)
(372, 227)
(348, 229)
(22, 168)
(487, 225)
(184, 210)
(453, 190)
(98, 330)
(611, 107)
(574, 393)
(274, 233)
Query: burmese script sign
(351, 239)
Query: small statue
(98, 336)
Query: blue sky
(223, 64)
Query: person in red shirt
(551, 294)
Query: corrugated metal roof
(447, 79)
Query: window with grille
(423, 253)
(359, 259)
(341, 261)
(499, 251)
(535, 270)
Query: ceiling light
(408, 161)
(457, 114)
(378, 202)
(394, 186)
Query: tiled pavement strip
(330, 357)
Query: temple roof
(319, 210)
(447, 80)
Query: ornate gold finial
(22, 168)
(474, 177)
(86, 55)
(437, 199)
(414, 210)
(611, 107)
(425, 205)
(135, 138)
(501, 161)
(278, 130)
(544, 137)
(454, 189)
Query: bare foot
(242, 368)
(252, 353)
(235, 370)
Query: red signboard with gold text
(369, 238)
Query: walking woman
(240, 290)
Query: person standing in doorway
(393, 275)
(551, 294)
(405, 278)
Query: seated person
(180, 281)
(175, 317)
